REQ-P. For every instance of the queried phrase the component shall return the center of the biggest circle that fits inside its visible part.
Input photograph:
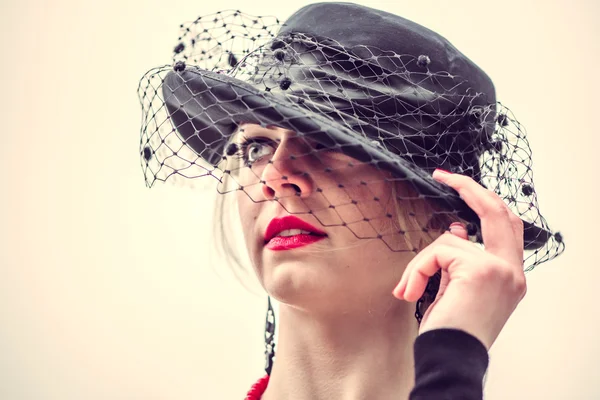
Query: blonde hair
(421, 220)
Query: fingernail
(443, 171)
(456, 227)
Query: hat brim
(207, 107)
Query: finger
(399, 290)
(447, 239)
(496, 227)
(454, 228)
(444, 256)
(459, 230)
(518, 229)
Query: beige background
(106, 289)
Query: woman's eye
(256, 150)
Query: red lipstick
(277, 225)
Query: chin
(302, 284)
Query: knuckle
(513, 279)
(437, 246)
(464, 178)
(520, 284)
(516, 221)
(496, 206)
(461, 191)
(448, 240)
(444, 238)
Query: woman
(367, 154)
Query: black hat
(377, 87)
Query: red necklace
(257, 390)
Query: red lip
(291, 242)
(290, 222)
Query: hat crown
(354, 25)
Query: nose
(286, 175)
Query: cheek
(247, 211)
(377, 213)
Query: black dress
(449, 364)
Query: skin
(346, 323)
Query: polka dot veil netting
(360, 117)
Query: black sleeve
(449, 364)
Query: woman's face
(283, 174)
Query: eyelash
(245, 142)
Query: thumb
(459, 229)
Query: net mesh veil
(365, 126)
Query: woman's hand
(479, 289)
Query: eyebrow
(269, 127)
(275, 127)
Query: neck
(346, 356)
